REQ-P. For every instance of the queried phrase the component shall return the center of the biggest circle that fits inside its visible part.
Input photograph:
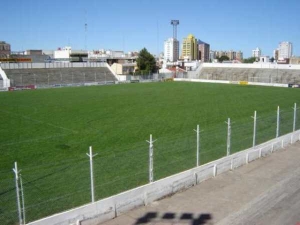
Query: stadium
(49, 130)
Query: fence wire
(52, 187)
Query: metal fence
(54, 65)
(30, 193)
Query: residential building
(4, 49)
(275, 54)
(124, 69)
(171, 50)
(204, 50)
(189, 48)
(239, 56)
(212, 55)
(285, 50)
(232, 55)
(256, 53)
(295, 60)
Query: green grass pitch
(48, 132)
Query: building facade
(189, 48)
(232, 55)
(285, 50)
(239, 56)
(256, 53)
(171, 50)
(204, 50)
(5, 50)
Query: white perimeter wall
(6, 81)
(109, 208)
(254, 65)
(230, 82)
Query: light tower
(175, 23)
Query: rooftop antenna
(175, 23)
(85, 30)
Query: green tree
(249, 60)
(146, 62)
(223, 58)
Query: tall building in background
(285, 50)
(189, 48)
(256, 53)
(239, 56)
(204, 50)
(5, 50)
(171, 50)
(275, 54)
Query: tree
(249, 60)
(272, 59)
(223, 58)
(146, 62)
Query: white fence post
(92, 173)
(295, 116)
(151, 179)
(254, 128)
(198, 145)
(278, 122)
(228, 137)
(23, 201)
(18, 193)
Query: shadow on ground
(186, 218)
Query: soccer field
(48, 132)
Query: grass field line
(32, 140)
(38, 121)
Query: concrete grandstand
(59, 76)
(269, 73)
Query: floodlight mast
(175, 23)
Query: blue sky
(133, 24)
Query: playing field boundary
(231, 82)
(113, 206)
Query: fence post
(151, 179)
(23, 201)
(92, 172)
(228, 137)
(295, 115)
(254, 128)
(198, 145)
(18, 193)
(278, 122)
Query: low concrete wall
(230, 82)
(110, 208)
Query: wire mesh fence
(52, 187)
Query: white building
(256, 53)
(171, 50)
(63, 54)
(285, 50)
